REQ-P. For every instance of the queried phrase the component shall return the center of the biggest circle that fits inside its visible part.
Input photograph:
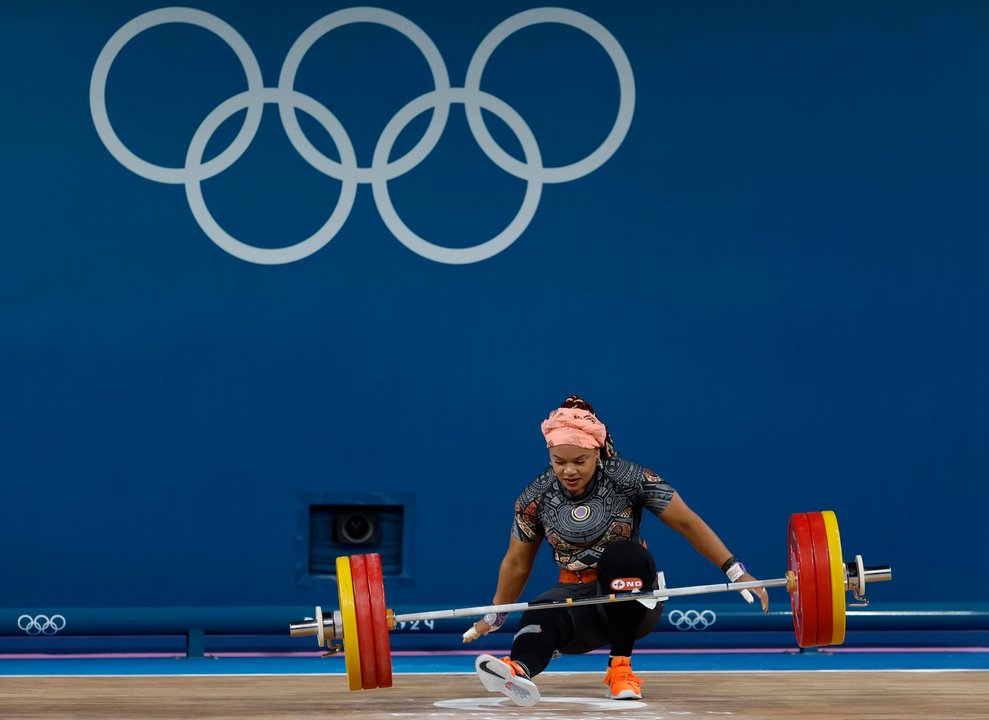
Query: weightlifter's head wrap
(576, 423)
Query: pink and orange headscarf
(575, 423)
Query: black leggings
(583, 628)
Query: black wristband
(728, 563)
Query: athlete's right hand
(489, 623)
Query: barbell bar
(817, 579)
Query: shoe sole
(496, 676)
(625, 695)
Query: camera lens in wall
(357, 527)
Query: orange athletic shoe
(623, 684)
(507, 677)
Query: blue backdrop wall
(771, 277)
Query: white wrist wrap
(735, 571)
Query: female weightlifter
(588, 505)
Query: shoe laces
(622, 674)
(515, 667)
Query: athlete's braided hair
(576, 401)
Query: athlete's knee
(527, 630)
(555, 624)
(626, 561)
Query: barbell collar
(871, 574)
(332, 627)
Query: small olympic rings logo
(382, 168)
(41, 624)
(692, 619)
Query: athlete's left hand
(760, 591)
(489, 623)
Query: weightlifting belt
(578, 576)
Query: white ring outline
(193, 187)
(34, 625)
(692, 619)
(626, 101)
(481, 251)
(441, 81)
(483, 703)
(101, 71)
(381, 169)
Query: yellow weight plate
(351, 647)
(837, 578)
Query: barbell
(817, 579)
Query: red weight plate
(803, 599)
(379, 619)
(365, 633)
(822, 564)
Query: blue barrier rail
(24, 629)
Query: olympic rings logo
(692, 619)
(382, 168)
(41, 624)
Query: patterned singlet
(578, 529)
